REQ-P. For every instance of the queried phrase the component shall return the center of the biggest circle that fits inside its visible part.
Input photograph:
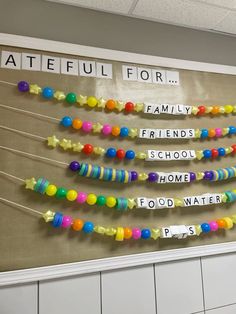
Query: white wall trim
(105, 264)
(71, 269)
(86, 51)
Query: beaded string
(128, 107)
(58, 220)
(122, 204)
(111, 152)
(124, 132)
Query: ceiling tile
(182, 12)
(228, 24)
(115, 6)
(230, 4)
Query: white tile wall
(129, 290)
(20, 299)
(72, 295)
(179, 287)
(219, 280)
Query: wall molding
(106, 264)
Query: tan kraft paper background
(26, 241)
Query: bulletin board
(28, 242)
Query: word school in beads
(170, 155)
(44, 63)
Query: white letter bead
(191, 230)
(166, 233)
(141, 202)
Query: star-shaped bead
(53, 141)
(199, 154)
(30, 183)
(155, 233)
(77, 147)
(208, 109)
(228, 150)
(35, 89)
(48, 216)
(59, 95)
(133, 132)
(199, 175)
(131, 203)
(97, 127)
(120, 105)
(224, 198)
(110, 231)
(178, 202)
(82, 100)
(101, 103)
(138, 107)
(65, 144)
(198, 229)
(225, 131)
(99, 151)
(142, 176)
(99, 229)
(194, 110)
(141, 155)
(197, 133)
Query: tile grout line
(220, 307)
(100, 292)
(155, 286)
(203, 291)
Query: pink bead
(87, 126)
(81, 198)
(213, 225)
(107, 128)
(218, 132)
(136, 233)
(66, 222)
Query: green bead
(101, 200)
(61, 193)
(71, 98)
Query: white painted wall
(200, 285)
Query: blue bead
(124, 131)
(204, 133)
(205, 227)
(232, 130)
(130, 154)
(57, 220)
(66, 121)
(207, 153)
(88, 227)
(145, 234)
(111, 152)
(47, 92)
(221, 151)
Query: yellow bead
(92, 101)
(199, 154)
(233, 219)
(194, 110)
(228, 150)
(99, 229)
(197, 133)
(225, 131)
(198, 229)
(141, 155)
(71, 195)
(229, 222)
(91, 199)
(59, 95)
(178, 202)
(155, 234)
(82, 100)
(208, 109)
(133, 133)
(228, 108)
(35, 89)
(142, 176)
(111, 201)
(99, 151)
(131, 203)
(234, 108)
(51, 190)
(119, 234)
(48, 216)
(110, 231)
(199, 175)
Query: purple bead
(152, 177)
(74, 166)
(23, 86)
(192, 176)
(208, 175)
(134, 175)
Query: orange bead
(127, 233)
(215, 109)
(77, 124)
(211, 132)
(115, 131)
(221, 223)
(77, 224)
(111, 104)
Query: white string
(29, 112)
(9, 83)
(22, 132)
(35, 156)
(21, 206)
(11, 176)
